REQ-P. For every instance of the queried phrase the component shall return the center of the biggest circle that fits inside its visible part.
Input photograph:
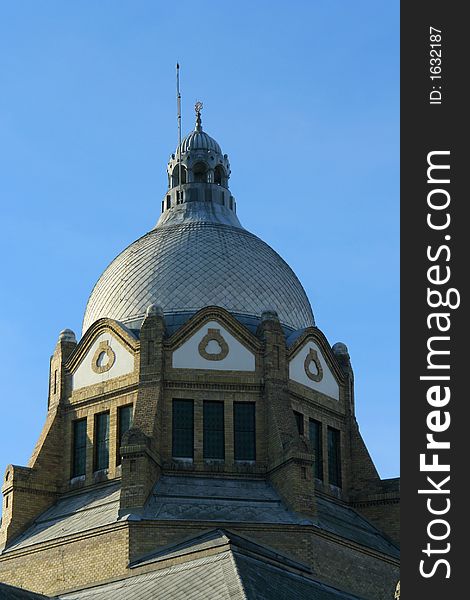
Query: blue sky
(303, 96)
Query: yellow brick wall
(62, 565)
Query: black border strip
(425, 128)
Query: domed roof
(187, 266)
(199, 255)
(199, 140)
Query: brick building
(201, 439)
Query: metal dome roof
(199, 255)
(199, 140)
(187, 266)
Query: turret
(204, 172)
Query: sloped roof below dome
(191, 265)
(236, 568)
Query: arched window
(219, 175)
(200, 172)
(175, 176)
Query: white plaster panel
(328, 384)
(238, 358)
(123, 363)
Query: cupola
(202, 168)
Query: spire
(198, 107)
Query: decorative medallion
(312, 360)
(213, 346)
(103, 359)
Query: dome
(199, 255)
(187, 266)
(199, 140)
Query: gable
(212, 346)
(310, 368)
(107, 358)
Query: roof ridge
(242, 591)
(186, 544)
(281, 567)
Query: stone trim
(317, 402)
(213, 335)
(235, 387)
(312, 357)
(214, 313)
(98, 392)
(103, 348)
(314, 334)
(364, 503)
(100, 326)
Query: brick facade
(283, 456)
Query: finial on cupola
(198, 107)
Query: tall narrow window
(299, 419)
(79, 448)
(101, 444)
(183, 429)
(175, 176)
(244, 430)
(214, 443)
(124, 424)
(315, 434)
(334, 457)
(219, 175)
(200, 172)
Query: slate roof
(347, 523)
(73, 513)
(239, 570)
(187, 266)
(222, 500)
(9, 592)
(184, 497)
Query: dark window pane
(183, 428)
(102, 441)
(79, 448)
(214, 444)
(124, 424)
(334, 457)
(244, 430)
(315, 433)
(299, 419)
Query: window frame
(237, 454)
(213, 432)
(174, 441)
(334, 457)
(317, 444)
(299, 421)
(74, 470)
(99, 443)
(119, 432)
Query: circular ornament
(103, 359)
(312, 359)
(213, 346)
